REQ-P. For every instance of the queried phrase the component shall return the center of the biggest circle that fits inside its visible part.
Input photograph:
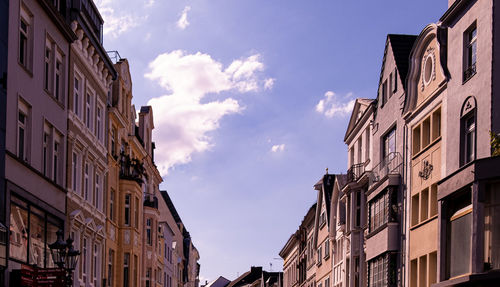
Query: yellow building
(125, 186)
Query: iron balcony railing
(131, 168)
(391, 164)
(355, 172)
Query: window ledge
(423, 222)
(427, 147)
(26, 69)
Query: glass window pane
(37, 241)
(18, 233)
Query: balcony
(131, 168)
(392, 164)
(355, 172)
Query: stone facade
(419, 203)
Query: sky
(251, 100)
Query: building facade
(358, 139)
(91, 73)
(35, 130)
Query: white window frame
(27, 54)
(86, 181)
(58, 76)
(23, 110)
(77, 95)
(90, 97)
(99, 131)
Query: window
(84, 259)
(25, 38)
(75, 167)
(47, 67)
(379, 211)
(322, 219)
(136, 211)
(459, 235)
(77, 89)
(394, 87)
(327, 249)
(319, 255)
(367, 144)
(45, 153)
(126, 262)
(58, 77)
(111, 260)
(31, 228)
(148, 277)
(148, 231)
(470, 49)
(113, 141)
(136, 264)
(327, 282)
(86, 183)
(377, 269)
(469, 138)
(360, 148)
(95, 263)
(98, 188)
(88, 111)
(384, 93)
(127, 209)
(491, 223)
(111, 205)
(55, 161)
(99, 124)
(358, 209)
(389, 145)
(22, 132)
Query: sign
(32, 276)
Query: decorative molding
(426, 170)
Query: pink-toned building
(39, 40)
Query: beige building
(425, 105)
(125, 186)
(321, 238)
(358, 140)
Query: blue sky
(251, 101)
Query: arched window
(468, 131)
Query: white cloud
(332, 106)
(182, 121)
(118, 18)
(183, 22)
(269, 83)
(278, 148)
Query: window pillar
(477, 254)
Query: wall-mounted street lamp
(65, 256)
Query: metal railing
(355, 172)
(391, 164)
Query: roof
(219, 282)
(401, 48)
(341, 179)
(170, 206)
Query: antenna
(270, 267)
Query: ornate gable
(426, 72)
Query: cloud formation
(118, 18)
(183, 22)
(331, 105)
(278, 148)
(269, 83)
(182, 121)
